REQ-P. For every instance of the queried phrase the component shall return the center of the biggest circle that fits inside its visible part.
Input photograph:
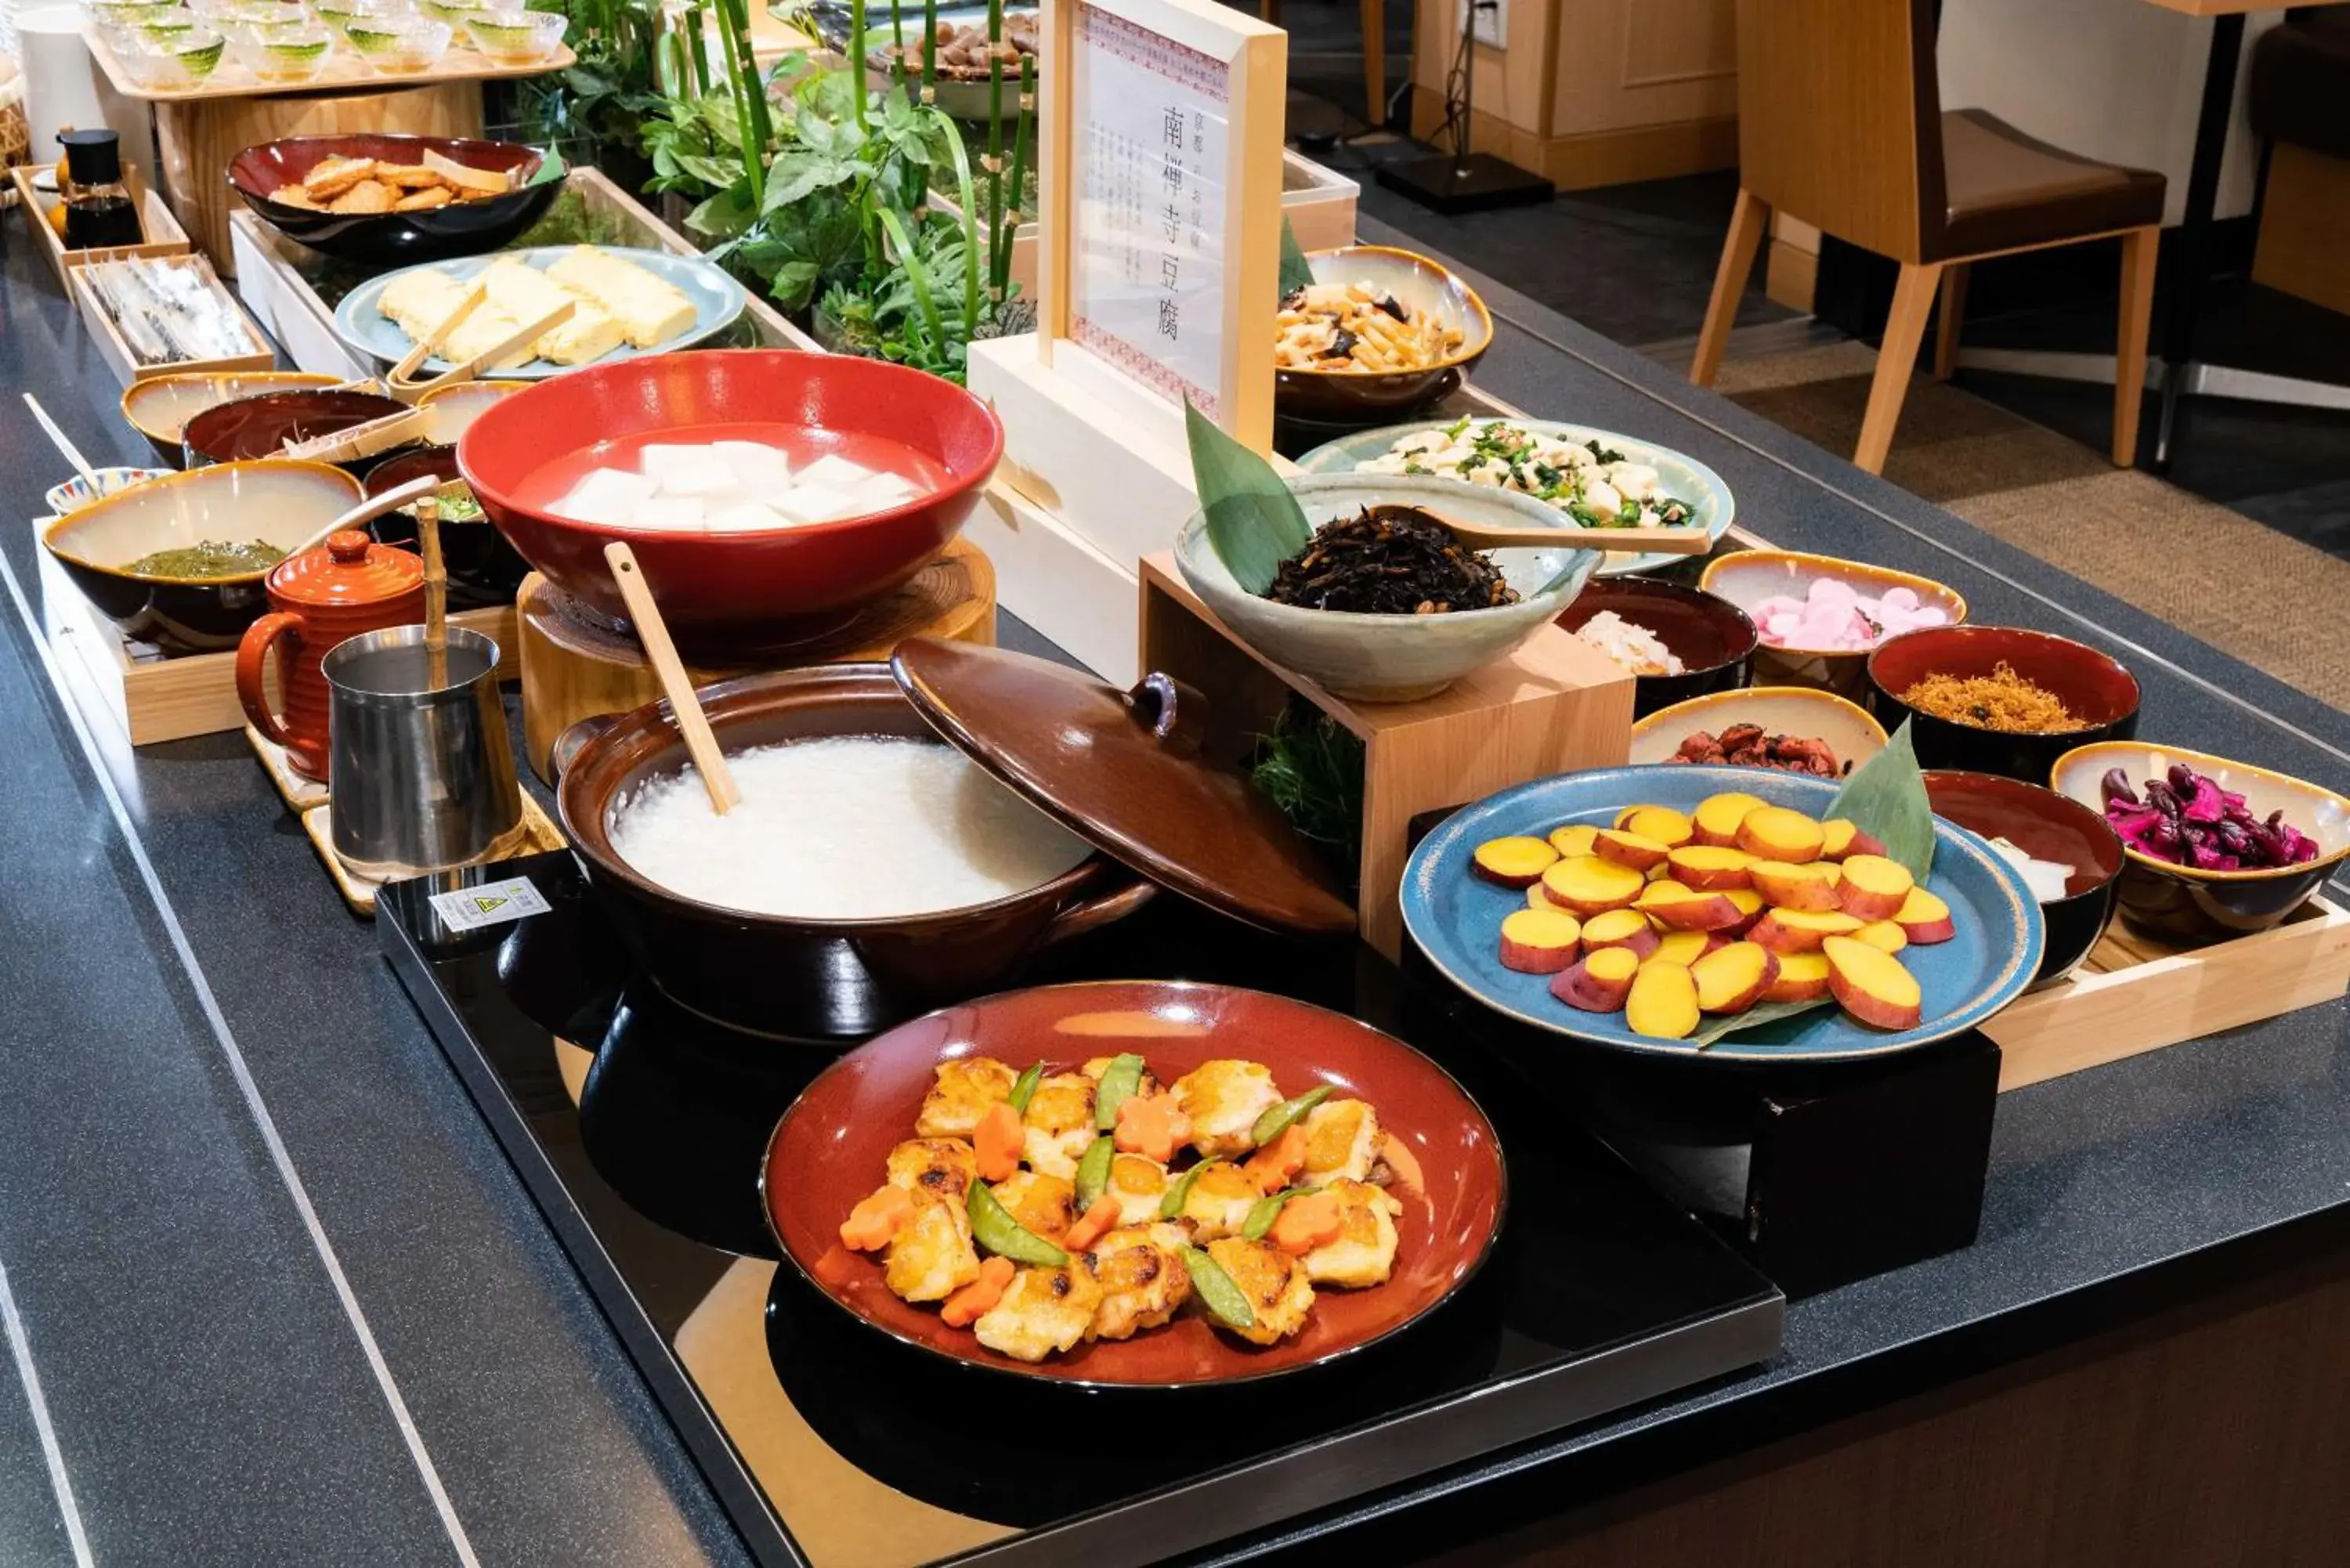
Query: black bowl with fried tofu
(390, 200)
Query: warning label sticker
(491, 904)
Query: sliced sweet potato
(1924, 919)
(1734, 977)
(1873, 887)
(1802, 977)
(1707, 867)
(1539, 941)
(1809, 886)
(1883, 935)
(1871, 985)
(1662, 823)
(1751, 909)
(1717, 817)
(1587, 886)
(1662, 1003)
(1685, 947)
(1839, 837)
(1538, 900)
(1785, 931)
(1627, 927)
(1687, 909)
(1574, 839)
(1658, 873)
(1514, 862)
(1599, 982)
(1776, 833)
(1629, 849)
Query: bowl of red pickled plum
(1817, 619)
(768, 494)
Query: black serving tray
(1600, 1297)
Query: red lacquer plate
(827, 1152)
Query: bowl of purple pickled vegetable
(2212, 849)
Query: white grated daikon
(844, 829)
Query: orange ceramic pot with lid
(347, 586)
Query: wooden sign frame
(1253, 58)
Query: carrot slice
(1100, 1216)
(1306, 1222)
(967, 1306)
(1151, 1128)
(998, 1142)
(1278, 1162)
(877, 1218)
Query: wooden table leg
(197, 136)
(1374, 61)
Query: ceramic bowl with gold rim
(160, 408)
(2198, 906)
(1374, 397)
(278, 503)
(1804, 712)
(1747, 578)
(455, 408)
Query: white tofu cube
(835, 472)
(659, 460)
(806, 502)
(742, 517)
(706, 476)
(606, 497)
(760, 470)
(670, 514)
(880, 492)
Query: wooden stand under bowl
(1554, 705)
(574, 667)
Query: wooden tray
(344, 72)
(2138, 993)
(535, 835)
(165, 235)
(127, 366)
(154, 696)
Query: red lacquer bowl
(827, 1152)
(734, 595)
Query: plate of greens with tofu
(625, 303)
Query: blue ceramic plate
(1681, 477)
(717, 298)
(1456, 918)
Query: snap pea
(1119, 1080)
(1024, 1089)
(1177, 1195)
(1217, 1291)
(1280, 1118)
(1265, 1210)
(993, 1228)
(1093, 1171)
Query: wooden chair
(1374, 14)
(1840, 124)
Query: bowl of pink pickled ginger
(1818, 618)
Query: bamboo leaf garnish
(1296, 272)
(1253, 522)
(1885, 798)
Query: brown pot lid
(349, 568)
(1121, 770)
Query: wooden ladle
(701, 743)
(1682, 541)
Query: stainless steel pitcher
(421, 777)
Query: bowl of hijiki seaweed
(179, 561)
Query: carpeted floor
(2269, 600)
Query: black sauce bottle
(99, 211)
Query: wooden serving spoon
(436, 590)
(1683, 541)
(701, 743)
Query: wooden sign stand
(1555, 704)
(1092, 402)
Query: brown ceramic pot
(815, 980)
(347, 586)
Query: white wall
(2116, 79)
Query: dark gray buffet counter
(281, 1299)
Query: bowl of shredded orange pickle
(1999, 700)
